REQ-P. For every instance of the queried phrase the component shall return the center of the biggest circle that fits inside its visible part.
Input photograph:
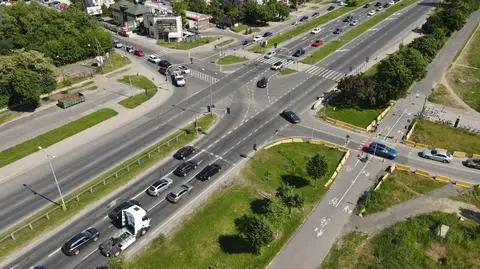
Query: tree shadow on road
(470, 214)
(295, 181)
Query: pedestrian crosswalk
(325, 73)
(274, 60)
(202, 76)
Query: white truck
(136, 223)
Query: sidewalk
(437, 112)
(124, 117)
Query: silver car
(159, 186)
(178, 193)
(437, 155)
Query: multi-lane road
(254, 120)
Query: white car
(379, 8)
(153, 59)
(269, 54)
(257, 38)
(371, 12)
(353, 23)
(316, 30)
(118, 45)
(178, 78)
(391, 3)
(278, 65)
(159, 186)
(184, 69)
(342, 3)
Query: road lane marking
(53, 253)
(351, 184)
(88, 255)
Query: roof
(123, 3)
(137, 10)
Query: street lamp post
(50, 157)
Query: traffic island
(361, 119)
(140, 82)
(115, 62)
(231, 59)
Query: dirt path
(456, 97)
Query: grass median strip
(116, 61)
(54, 136)
(231, 59)
(358, 117)
(287, 71)
(324, 51)
(140, 82)
(226, 42)
(74, 206)
(187, 44)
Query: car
(118, 45)
(73, 245)
(222, 26)
(353, 23)
(115, 214)
(178, 193)
(185, 168)
(262, 83)
(269, 54)
(378, 4)
(371, 12)
(391, 2)
(130, 49)
(348, 18)
(164, 63)
(437, 155)
(139, 52)
(338, 31)
(183, 69)
(317, 43)
(267, 34)
(386, 5)
(208, 172)
(159, 186)
(295, 22)
(342, 3)
(247, 42)
(178, 79)
(257, 38)
(184, 152)
(304, 18)
(316, 30)
(472, 163)
(290, 116)
(382, 150)
(315, 14)
(299, 53)
(278, 65)
(379, 9)
(367, 5)
(331, 8)
(153, 59)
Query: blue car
(338, 31)
(267, 34)
(382, 150)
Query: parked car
(316, 30)
(290, 116)
(299, 52)
(262, 83)
(159, 186)
(472, 163)
(378, 4)
(118, 45)
(184, 152)
(382, 150)
(371, 12)
(247, 42)
(178, 193)
(208, 172)
(164, 63)
(331, 8)
(73, 245)
(184, 69)
(338, 31)
(315, 14)
(278, 65)
(386, 5)
(130, 49)
(317, 43)
(115, 214)
(267, 34)
(269, 54)
(257, 38)
(437, 155)
(342, 3)
(139, 52)
(153, 59)
(348, 18)
(353, 23)
(391, 2)
(304, 18)
(379, 9)
(185, 168)
(367, 5)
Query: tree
(289, 198)
(283, 11)
(106, 11)
(356, 91)
(352, 3)
(392, 79)
(178, 9)
(453, 19)
(255, 231)
(427, 45)
(317, 167)
(415, 61)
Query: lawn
(7, 116)
(413, 243)
(361, 118)
(400, 186)
(116, 61)
(466, 84)
(372, 70)
(287, 71)
(185, 136)
(226, 42)
(209, 237)
(239, 28)
(321, 53)
(186, 45)
(471, 196)
(231, 59)
(140, 82)
(443, 136)
(306, 27)
(56, 135)
(443, 97)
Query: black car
(348, 18)
(115, 214)
(267, 34)
(299, 53)
(367, 5)
(331, 8)
(79, 241)
(386, 5)
(262, 83)
(304, 18)
(378, 4)
(222, 26)
(247, 42)
(290, 116)
(184, 152)
(208, 172)
(315, 14)
(185, 168)
(472, 163)
(164, 64)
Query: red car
(139, 52)
(317, 43)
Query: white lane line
(351, 184)
(88, 255)
(53, 253)
(155, 205)
(396, 122)
(106, 217)
(15, 266)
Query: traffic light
(209, 109)
(228, 110)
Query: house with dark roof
(128, 14)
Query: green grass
(67, 81)
(287, 71)
(209, 234)
(56, 135)
(186, 45)
(443, 97)
(116, 61)
(471, 196)
(321, 53)
(446, 137)
(239, 28)
(398, 187)
(411, 244)
(306, 27)
(372, 70)
(7, 116)
(226, 42)
(361, 118)
(470, 55)
(231, 59)
(74, 207)
(466, 84)
(140, 82)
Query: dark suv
(115, 214)
(299, 53)
(290, 116)
(80, 240)
(185, 168)
(262, 83)
(184, 152)
(208, 172)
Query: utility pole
(50, 157)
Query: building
(128, 14)
(198, 20)
(163, 26)
(94, 7)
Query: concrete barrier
(409, 143)
(464, 184)
(442, 179)
(378, 185)
(422, 173)
(328, 183)
(344, 124)
(402, 167)
(476, 156)
(410, 132)
(419, 145)
(460, 154)
(392, 167)
(297, 140)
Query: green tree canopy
(317, 166)
(255, 231)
